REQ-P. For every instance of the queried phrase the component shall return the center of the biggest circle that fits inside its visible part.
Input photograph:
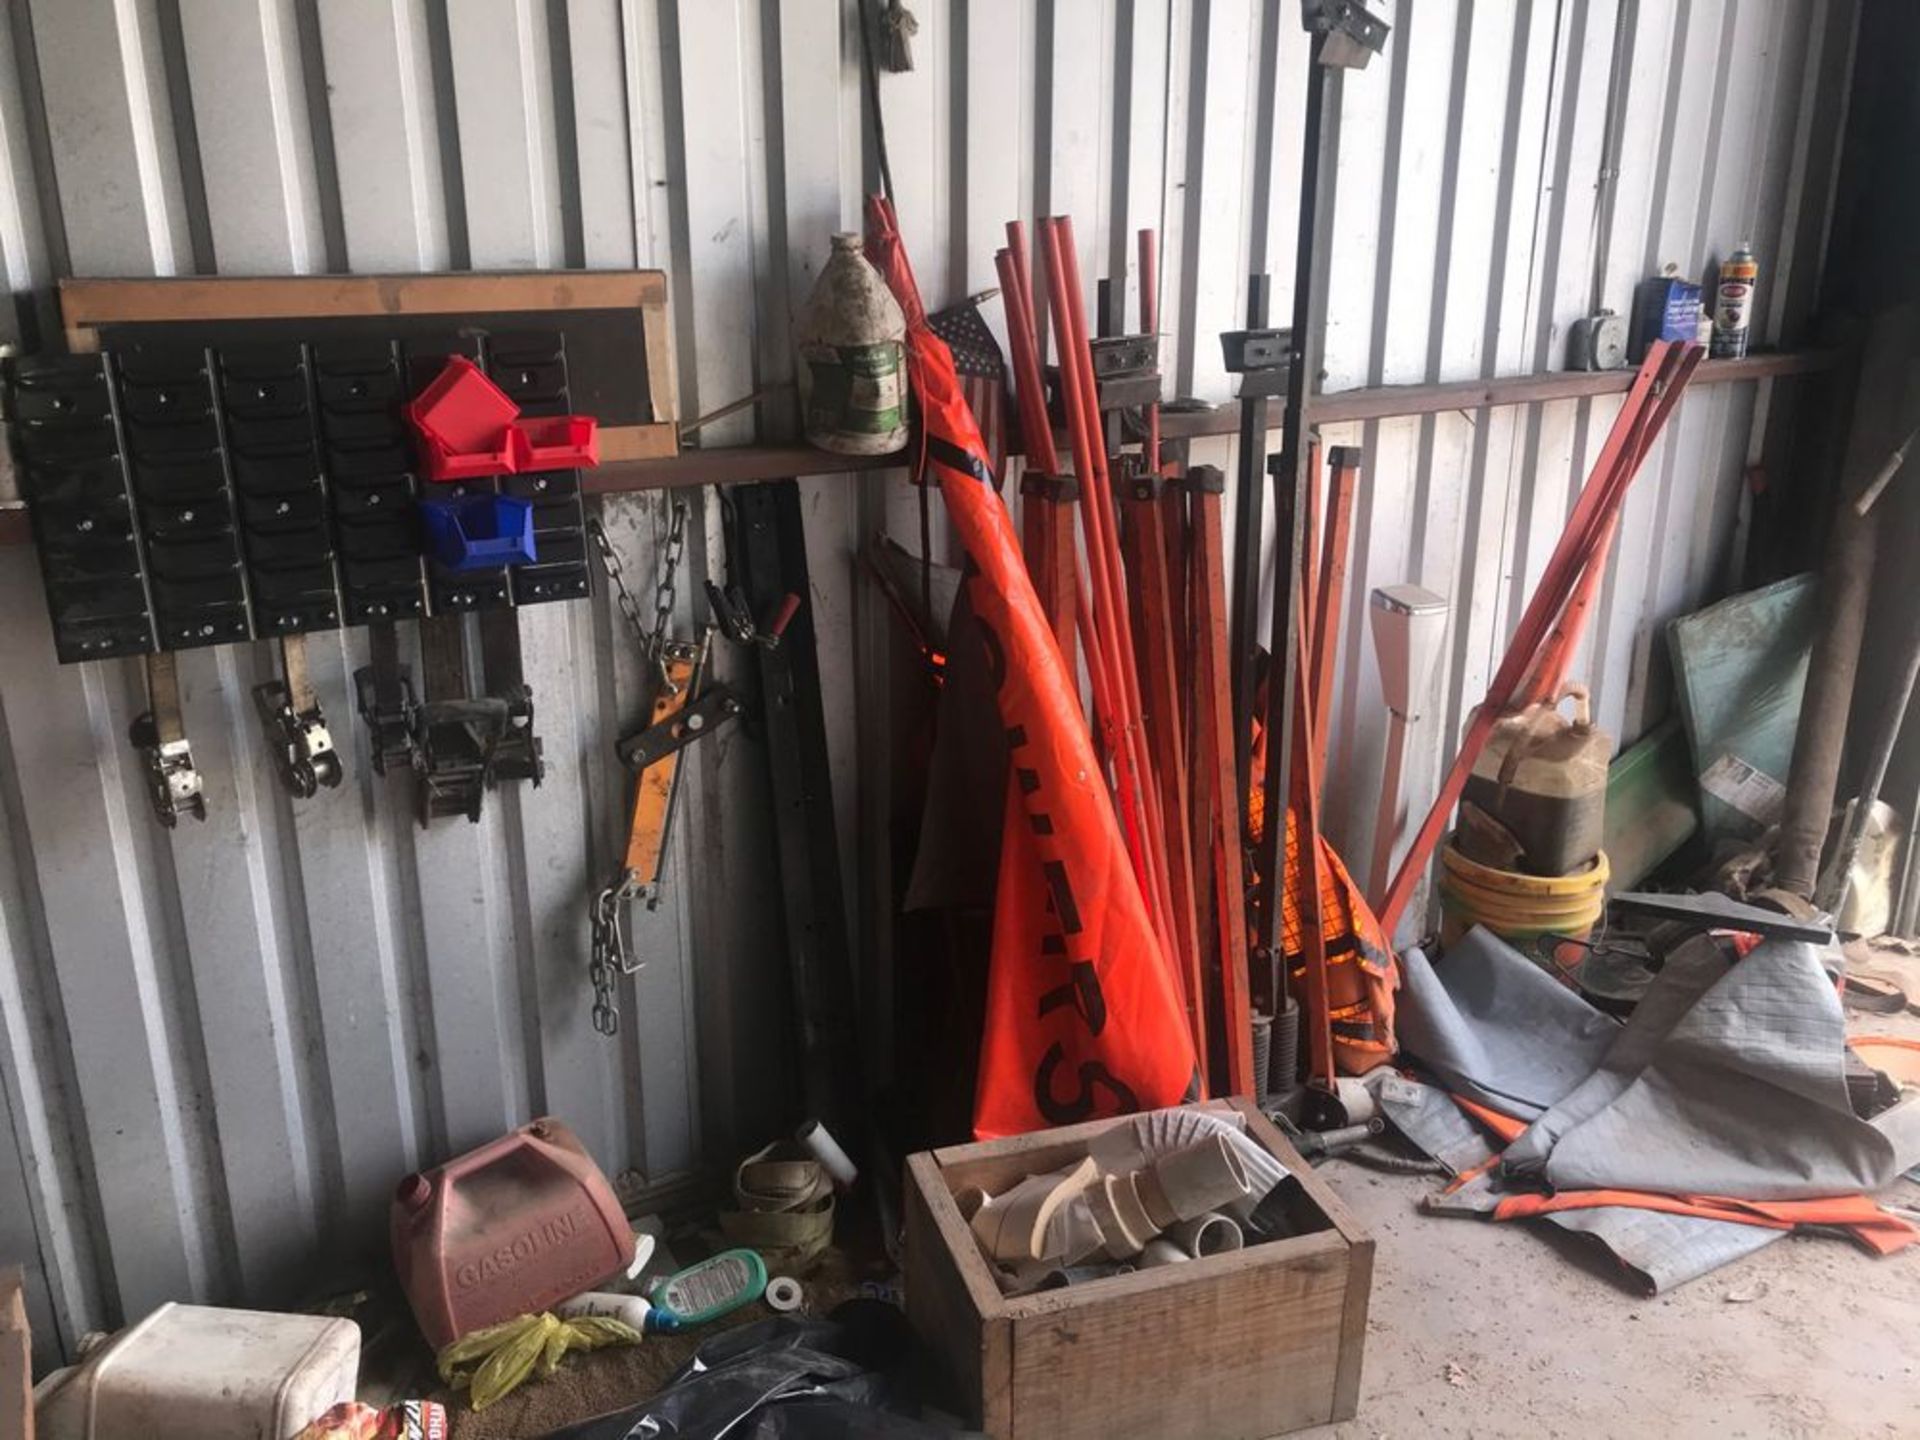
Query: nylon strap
(293, 665)
(163, 693)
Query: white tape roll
(784, 1293)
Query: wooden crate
(1253, 1343)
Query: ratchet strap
(293, 668)
(163, 698)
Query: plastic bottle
(1733, 303)
(851, 337)
(610, 1305)
(703, 1292)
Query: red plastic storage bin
(555, 442)
(444, 466)
(512, 1228)
(463, 422)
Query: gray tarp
(1727, 1081)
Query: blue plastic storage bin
(480, 532)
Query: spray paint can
(1733, 303)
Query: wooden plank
(88, 303)
(627, 443)
(1353, 1331)
(952, 1301)
(1243, 1344)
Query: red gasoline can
(512, 1228)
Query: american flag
(983, 373)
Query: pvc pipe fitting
(1122, 1243)
(1202, 1177)
(1160, 1252)
(1147, 1185)
(1209, 1234)
(820, 1144)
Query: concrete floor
(1481, 1329)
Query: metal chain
(612, 954)
(617, 574)
(663, 593)
(653, 640)
(607, 945)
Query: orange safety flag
(1082, 1018)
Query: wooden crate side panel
(946, 1311)
(1353, 1331)
(1254, 1353)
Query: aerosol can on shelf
(851, 339)
(1733, 303)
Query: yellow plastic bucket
(1516, 907)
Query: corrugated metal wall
(223, 1044)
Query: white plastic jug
(193, 1372)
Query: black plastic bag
(784, 1379)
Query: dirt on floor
(607, 1380)
(1490, 1330)
(1481, 1329)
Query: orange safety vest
(1362, 973)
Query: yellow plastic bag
(494, 1362)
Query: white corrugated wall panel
(222, 1044)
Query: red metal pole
(1666, 371)
(1342, 475)
(1214, 777)
(1046, 520)
(1175, 918)
(1108, 620)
